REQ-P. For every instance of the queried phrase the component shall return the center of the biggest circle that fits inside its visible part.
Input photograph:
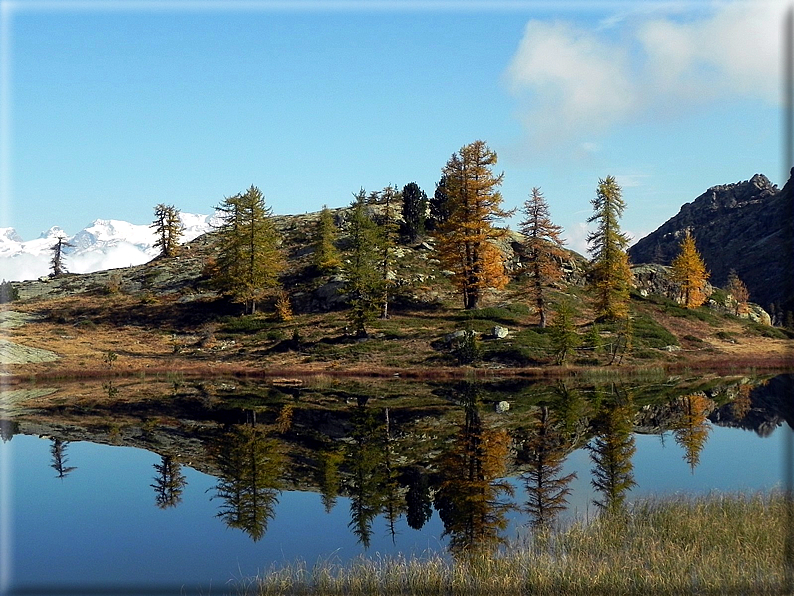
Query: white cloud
(579, 79)
(576, 238)
(572, 82)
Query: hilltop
(165, 316)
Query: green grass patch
(648, 333)
(770, 332)
(504, 315)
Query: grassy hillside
(166, 315)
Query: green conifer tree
(363, 266)
(414, 211)
(564, 338)
(611, 275)
(327, 257)
(249, 257)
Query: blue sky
(110, 108)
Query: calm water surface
(91, 520)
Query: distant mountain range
(105, 244)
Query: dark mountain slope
(746, 226)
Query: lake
(189, 486)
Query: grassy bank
(710, 545)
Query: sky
(109, 108)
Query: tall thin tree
(610, 271)
(362, 266)
(543, 245)
(57, 262)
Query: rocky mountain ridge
(745, 226)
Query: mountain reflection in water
(395, 452)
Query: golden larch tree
(689, 270)
(543, 245)
(464, 240)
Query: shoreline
(729, 365)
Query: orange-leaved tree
(689, 270)
(738, 292)
(543, 245)
(464, 239)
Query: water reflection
(59, 458)
(168, 483)
(398, 453)
(611, 451)
(470, 498)
(544, 452)
(249, 465)
(692, 431)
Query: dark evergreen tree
(57, 263)
(439, 204)
(414, 211)
(418, 502)
(168, 228)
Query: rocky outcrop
(655, 279)
(746, 226)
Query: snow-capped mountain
(104, 244)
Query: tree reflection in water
(692, 430)
(169, 482)
(250, 466)
(59, 458)
(369, 473)
(611, 451)
(469, 495)
(544, 452)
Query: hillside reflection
(399, 452)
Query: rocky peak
(742, 226)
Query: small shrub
(110, 357)
(770, 332)
(283, 307)
(113, 284)
(8, 293)
(649, 333)
(467, 349)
